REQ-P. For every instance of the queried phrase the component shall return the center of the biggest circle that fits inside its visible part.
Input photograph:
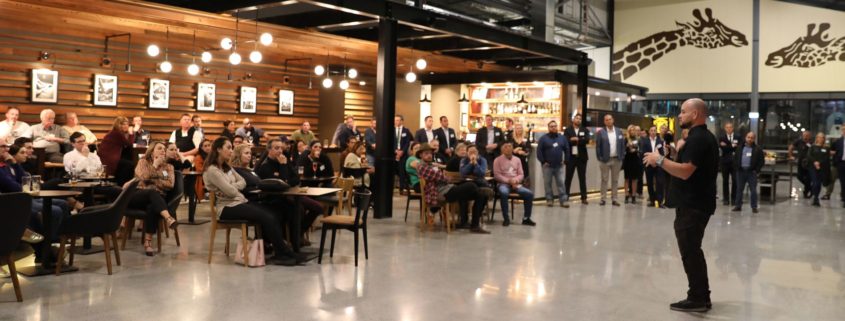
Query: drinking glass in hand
(314, 166)
(249, 139)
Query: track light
(45, 56)
(266, 39)
(226, 43)
(319, 70)
(152, 50)
(327, 83)
(235, 58)
(353, 73)
(255, 57)
(206, 56)
(421, 64)
(165, 66)
(411, 77)
(344, 84)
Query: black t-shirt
(454, 164)
(801, 147)
(271, 168)
(698, 192)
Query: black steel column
(385, 109)
(582, 86)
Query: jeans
(59, 210)
(526, 194)
(840, 167)
(654, 177)
(400, 170)
(689, 244)
(815, 182)
(743, 177)
(558, 174)
(610, 170)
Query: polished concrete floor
(584, 263)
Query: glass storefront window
(783, 121)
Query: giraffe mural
(812, 50)
(704, 33)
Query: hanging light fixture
(411, 76)
(343, 83)
(193, 69)
(463, 99)
(352, 73)
(235, 58)
(522, 101)
(425, 99)
(206, 56)
(421, 64)
(166, 66)
(152, 50)
(327, 82)
(319, 70)
(226, 43)
(255, 56)
(266, 39)
(363, 83)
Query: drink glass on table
(249, 139)
(102, 171)
(300, 170)
(26, 184)
(36, 183)
(314, 166)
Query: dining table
(46, 267)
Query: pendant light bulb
(235, 58)
(344, 84)
(226, 43)
(193, 69)
(421, 64)
(319, 70)
(255, 57)
(411, 77)
(327, 83)
(152, 50)
(266, 39)
(353, 73)
(206, 56)
(166, 66)
(363, 83)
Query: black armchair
(15, 215)
(102, 222)
(173, 197)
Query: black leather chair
(173, 197)
(102, 222)
(17, 208)
(345, 222)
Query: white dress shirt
(611, 137)
(399, 137)
(82, 162)
(653, 144)
(196, 139)
(429, 134)
(446, 132)
(13, 132)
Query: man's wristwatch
(660, 161)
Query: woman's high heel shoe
(148, 248)
(33, 238)
(634, 199)
(172, 223)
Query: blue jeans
(557, 173)
(526, 195)
(743, 177)
(815, 182)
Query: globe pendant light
(255, 56)
(343, 83)
(152, 50)
(193, 69)
(327, 82)
(421, 64)
(206, 56)
(319, 70)
(166, 66)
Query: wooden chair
(344, 196)
(228, 225)
(354, 224)
(446, 214)
(511, 197)
(15, 216)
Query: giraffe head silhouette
(710, 33)
(812, 50)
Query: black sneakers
(691, 306)
(528, 221)
(506, 223)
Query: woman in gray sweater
(226, 183)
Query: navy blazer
(729, 149)
(404, 141)
(603, 145)
(420, 136)
(443, 136)
(645, 146)
(837, 148)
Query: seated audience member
(285, 151)
(297, 149)
(279, 167)
(30, 164)
(370, 140)
(187, 139)
(23, 156)
(18, 153)
(304, 133)
(507, 170)
(316, 157)
(240, 161)
(474, 166)
(353, 161)
(350, 142)
(80, 159)
(49, 136)
(438, 185)
(12, 129)
(239, 140)
(228, 129)
(454, 164)
(438, 157)
(117, 143)
(411, 166)
(226, 184)
(142, 136)
(72, 126)
(11, 176)
(156, 178)
(175, 159)
(205, 148)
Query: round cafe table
(191, 192)
(46, 267)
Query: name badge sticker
(498, 134)
(403, 134)
(581, 134)
(510, 170)
(184, 134)
(453, 135)
(736, 141)
(824, 150)
(749, 154)
(164, 173)
(554, 145)
(322, 167)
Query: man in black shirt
(800, 146)
(693, 196)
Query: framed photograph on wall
(45, 86)
(159, 93)
(285, 102)
(105, 90)
(249, 96)
(206, 96)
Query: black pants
(581, 166)
(153, 203)
(690, 235)
(400, 170)
(840, 167)
(640, 185)
(124, 172)
(728, 182)
(270, 223)
(804, 177)
(654, 175)
(462, 194)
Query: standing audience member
(202, 155)
(304, 133)
(142, 136)
(119, 139)
(187, 139)
(49, 136)
(437, 185)
(522, 148)
(72, 125)
(553, 153)
(653, 175)
(226, 184)
(252, 135)
(228, 129)
(156, 178)
(800, 146)
(403, 141)
(728, 144)
(610, 151)
(507, 170)
(693, 196)
(747, 165)
(641, 134)
(11, 128)
(474, 166)
(426, 134)
(839, 160)
(578, 138)
(632, 163)
(349, 131)
(299, 147)
(508, 129)
(488, 140)
(196, 121)
(446, 135)
(370, 140)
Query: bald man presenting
(693, 196)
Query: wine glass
(249, 139)
(314, 166)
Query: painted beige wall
(781, 25)
(687, 69)
(444, 102)
(408, 103)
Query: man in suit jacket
(446, 136)
(578, 138)
(839, 161)
(653, 175)
(748, 162)
(610, 151)
(488, 140)
(403, 141)
(426, 135)
(728, 143)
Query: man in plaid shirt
(437, 184)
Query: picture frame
(105, 90)
(286, 102)
(159, 94)
(248, 98)
(206, 96)
(45, 86)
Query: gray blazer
(603, 145)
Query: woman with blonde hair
(632, 164)
(522, 148)
(157, 178)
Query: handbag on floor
(254, 251)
